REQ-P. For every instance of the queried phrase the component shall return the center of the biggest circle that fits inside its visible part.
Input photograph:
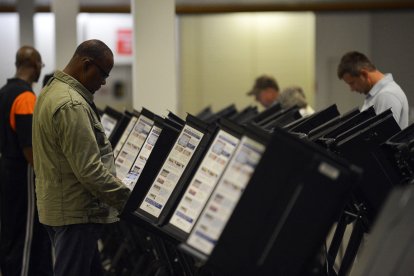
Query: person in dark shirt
(25, 247)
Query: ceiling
(202, 2)
(206, 6)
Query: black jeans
(25, 247)
(76, 249)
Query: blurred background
(220, 47)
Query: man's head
(292, 96)
(28, 64)
(358, 72)
(265, 90)
(91, 64)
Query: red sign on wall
(124, 42)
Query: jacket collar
(76, 85)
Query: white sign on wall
(113, 29)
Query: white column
(154, 62)
(65, 29)
(25, 8)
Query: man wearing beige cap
(265, 90)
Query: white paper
(132, 146)
(108, 124)
(225, 197)
(125, 135)
(133, 175)
(171, 171)
(204, 181)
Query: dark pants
(25, 247)
(76, 249)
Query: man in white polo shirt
(381, 91)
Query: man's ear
(364, 73)
(86, 63)
(86, 60)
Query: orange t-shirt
(22, 105)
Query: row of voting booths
(242, 192)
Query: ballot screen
(133, 175)
(204, 181)
(225, 197)
(171, 171)
(132, 146)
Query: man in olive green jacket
(77, 190)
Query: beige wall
(221, 55)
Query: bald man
(24, 245)
(76, 185)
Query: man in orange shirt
(24, 245)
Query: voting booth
(332, 124)
(158, 189)
(361, 144)
(204, 180)
(389, 250)
(120, 128)
(133, 143)
(248, 193)
(266, 218)
(109, 119)
(169, 132)
(306, 124)
(174, 172)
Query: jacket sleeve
(79, 144)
